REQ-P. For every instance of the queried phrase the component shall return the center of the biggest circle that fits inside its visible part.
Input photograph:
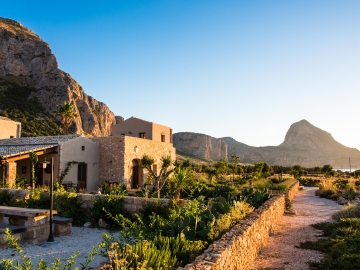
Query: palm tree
(182, 178)
(66, 112)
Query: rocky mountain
(304, 144)
(27, 60)
(200, 145)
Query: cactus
(254, 197)
(220, 207)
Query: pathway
(280, 251)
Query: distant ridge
(304, 144)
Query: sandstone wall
(111, 162)
(200, 145)
(238, 248)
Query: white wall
(72, 151)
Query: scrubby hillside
(16, 105)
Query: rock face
(23, 54)
(304, 144)
(200, 145)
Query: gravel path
(81, 239)
(280, 251)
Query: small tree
(297, 171)
(34, 160)
(328, 170)
(234, 168)
(67, 114)
(165, 171)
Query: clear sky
(245, 69)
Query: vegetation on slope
(16, 105)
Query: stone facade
(118, 154)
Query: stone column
(11, 173)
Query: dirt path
(280, 251)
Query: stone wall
(239, 247)
(131, 205)
(111, 164)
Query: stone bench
(62, 225)
(18, 232)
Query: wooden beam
(25, 156)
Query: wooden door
(82, 174)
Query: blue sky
(245, 69)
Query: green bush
(111, 204)
(38, 200)
(67, 205)
(8, 199)
(254, 197)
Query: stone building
(95, 160)
(9, 128)
(135, 127)
(84, 153)
(131, 139)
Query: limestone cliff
(304, 144)
(200, 145)
(26, 56)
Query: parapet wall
(238, 248)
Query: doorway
(137, 174)
(82, 174)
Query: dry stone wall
(238, 248)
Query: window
(162, 138)
(82, 148)
(155, 168)
(11, 136)
(122, 134)
(142, 135)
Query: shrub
(67, 205)
(112, 205)
(7, 198)
(342, 250)
(348, 211)
(325, 193)
(38, 199)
